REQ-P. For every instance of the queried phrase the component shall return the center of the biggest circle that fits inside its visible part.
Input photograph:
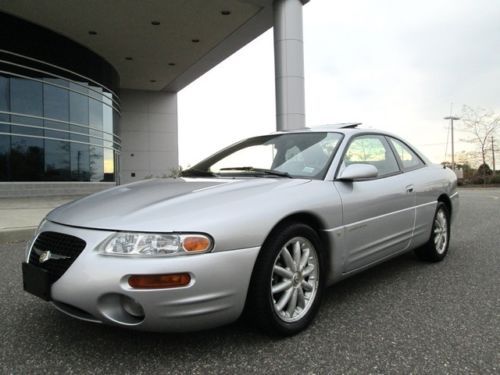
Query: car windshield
(301, 155)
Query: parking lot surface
(404, 316)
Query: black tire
(262, 303)
(434, 250)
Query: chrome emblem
(44, 256)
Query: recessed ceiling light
(171, 63)
(225, 12)
(195, 40)
(152, 80)
(92, 32)
(155, 23)
(128, 58)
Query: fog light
(132, 307)
(159, 281)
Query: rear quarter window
(409, 159)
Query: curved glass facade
(55, 124)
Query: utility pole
(493, 153)
(452, 118)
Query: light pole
(452, 118)
(493, 154)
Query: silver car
(263, 226)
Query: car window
(309, 161)
(374, 150)
(258, 156)
(408, 158)
(299, 155)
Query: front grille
(64, 249)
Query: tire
(437, 247)
(287, 282)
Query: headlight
(155, 245)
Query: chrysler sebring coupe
(261, 226)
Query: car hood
(167, 204)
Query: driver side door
(378, 213)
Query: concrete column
(149, 134)
(289, 64)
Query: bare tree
(481, 124)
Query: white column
(289, 64)
(149, 134)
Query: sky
(396, 65)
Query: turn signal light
(196, 244)
(159, 281)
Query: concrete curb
(16, 234)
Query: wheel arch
(307, 218)
(313, 221)
(447, 202)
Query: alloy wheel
(295, 279)
(440, 232)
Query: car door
(378, 213)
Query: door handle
(409, 189)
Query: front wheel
(287, 282)
(437, 247)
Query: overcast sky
(391, 64)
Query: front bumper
(93, 286)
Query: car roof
(343, 127)
(340, 125)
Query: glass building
(59, 113)
(88, 89)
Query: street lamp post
(452, 118)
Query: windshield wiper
(271, 172)
(197, 172)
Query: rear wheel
(287, 283)
(437, 247)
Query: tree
(484, 169)
(481, 124)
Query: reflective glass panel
(26, 159)
(4, 104)
(4, 157)
(26, 97)
(109, 165)
(53, 129)
(4, 94)
(56, 99)
(56, 129)
(96, 117)
(96, 163)
(107, 119)
(79, 114)
(80, 162)
(57, 160)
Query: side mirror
(355, 172)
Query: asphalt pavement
(402, 317)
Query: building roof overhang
(156, 44)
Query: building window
(54, 128)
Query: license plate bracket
(36, 281)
